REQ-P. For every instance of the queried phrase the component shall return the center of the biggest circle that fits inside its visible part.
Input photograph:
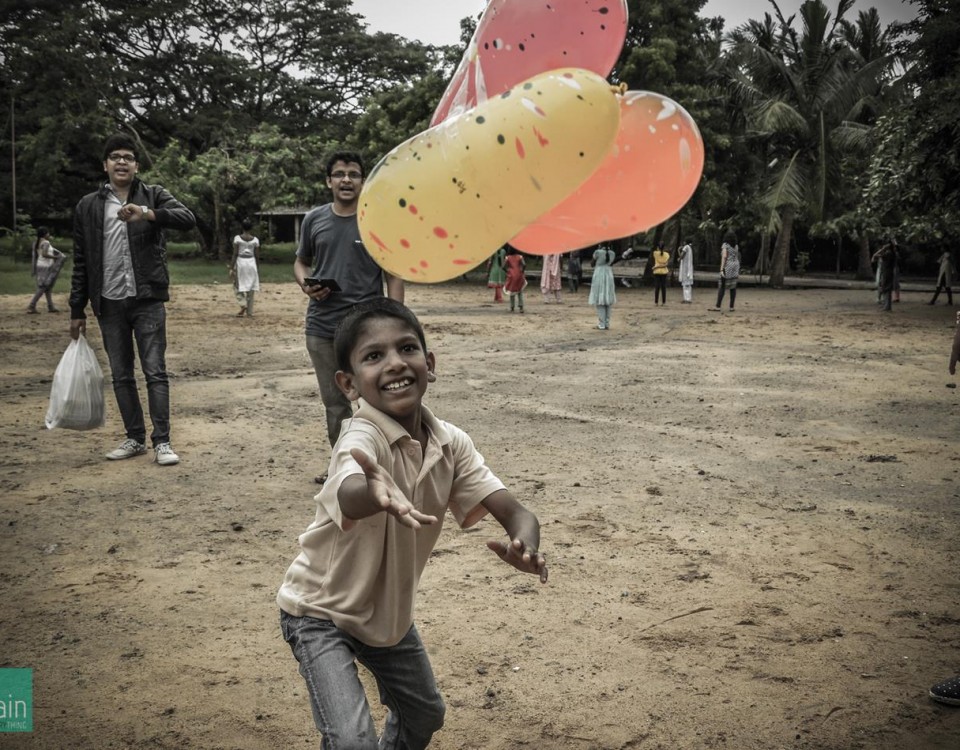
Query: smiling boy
(395, 470)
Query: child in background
(550, 281)
(496, 275)
(661, 271)
(515, 267)
(729, 270)
(603, 289)
(244, 268)
(685, 274)
(47, 262)
(574, 271)
(395, 471)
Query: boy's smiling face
(390, 369)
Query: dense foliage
(203, 85)
(914, 176)
(821, 130)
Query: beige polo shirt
(365, 579)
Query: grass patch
(215, 272)
(15, 276)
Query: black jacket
(148, 249)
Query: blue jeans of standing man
(145, 321)
(328, 662)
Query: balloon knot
(620, 88)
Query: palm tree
(804, 96)
(869, 41)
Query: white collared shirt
(118, 278)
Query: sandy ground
(751, 521)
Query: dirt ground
(751, 521)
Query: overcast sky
(438, 21)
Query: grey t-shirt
(332, 247)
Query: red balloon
(650, 173)
(518, 39)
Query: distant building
(283, 223)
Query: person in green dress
(497, 276)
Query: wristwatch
(145, 210)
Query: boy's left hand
(521, 556)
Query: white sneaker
(127, 449)
(165, 455)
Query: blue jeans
(122, 322)
(328, 658)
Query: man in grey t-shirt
(331, 249)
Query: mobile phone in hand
(330, 284)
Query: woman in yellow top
(661, 270)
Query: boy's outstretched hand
(522, 557)
(384, 492)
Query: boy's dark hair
(119, 140)
(349, 328)
(246, 225)
(346, 157)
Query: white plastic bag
(76, 396)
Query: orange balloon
(649, 175)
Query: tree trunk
(219, 231)
(839, 251)
(781, 254)
(763, 259)
(864, 269)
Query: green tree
(200, 73)
(245, 173)
(804, 96)
(913, 182)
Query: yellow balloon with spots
(440, 203)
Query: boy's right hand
(385, 493)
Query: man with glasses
(120, 268)
(331, 250)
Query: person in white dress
(685, 274)
(47, 262)
(244, 268)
